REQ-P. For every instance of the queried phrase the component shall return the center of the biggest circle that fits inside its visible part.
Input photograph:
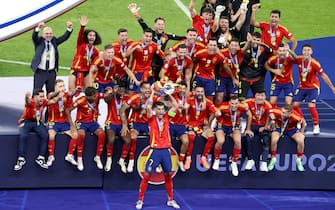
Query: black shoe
(41, 162)
(19, 163)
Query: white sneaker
(216, 164)
(250, 164)
(80, 163)
(70, 158)
(139, 204)
(108, 165)
(19, 163)
(173, 204)
(122, 165)
(234, 169)
(51, 159)
(181, 166)
(130, 167)
(97, 160)
(263, 166)
(316, 129)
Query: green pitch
(306, 19)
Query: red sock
(190, 144)
(208, 146)
(80, 144)
(236, 153)
(132, 149)
(299, 154)
(169, 186)
(125, 150)
(109, 150)
(181, 157)
(72, 146)
(217, 152)
(100, 143)
(297, 109)
(273, 153)
(143, 186)
(314, 114)
(51, 147)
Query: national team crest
(156, 178)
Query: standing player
(309, 86)
(272, 33)
(87, 117)
(285, 121)
(260, 109)
(228, 123)
(60, 121)
(160, 144)
(281, 66)
(201, 111)
(114, 98)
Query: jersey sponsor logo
(20, 16)
(156, 178)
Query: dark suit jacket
(39, 44)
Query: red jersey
(205, 63)
(114, 106)
(198, 113)
(259, 112)
(273, 37)
(204, 31)
(33, 111)
(175, 68)
(159, 132)
(180, 118)
(85, 54)
(87, 112)
(286, 66)
(233, 61)
(142, 58)
(286, 124)
(191, 49)
(56, 111)
(120, 52)
(229, 118)
(107, 69)
(139, 105)
(308, 73)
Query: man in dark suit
(45, 61)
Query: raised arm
(253, 21)
(191, 8)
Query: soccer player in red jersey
(260, 109)
(137, 106)
(204, 67)
(30, 120)
(179, 68)
(60, 121)
(228, 123)
(281, 67)
(200, 111)
(114, 98)
(160, 144)
(86, 120)
(86, 53)
(285, 122)
(272, 32)
(309, 85)
(204, 24)
(143, 52)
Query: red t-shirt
(107, 69)
(205, 63)
(259, 112)
(87, 112)
(33, 111)
(191, 49)
(114, 106)
(233, 61)
(294, 118)
(56, 111)
(308, 73)
(198, 114)
(159, 132)
(279, 33)
(120, 52)
(139, 105)
(229, 118)
(175, 68)
(286, 66)
(204, 31)
(180, 118)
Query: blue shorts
(156, 157)
(226, 129)
(307, 95)
(114, 127)
(208, 84)
(101, 87)
(141, 127)
(276, 88)
(59, 127)
(224, 84)
(90, 127)
(289, 133)
(177, 130)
